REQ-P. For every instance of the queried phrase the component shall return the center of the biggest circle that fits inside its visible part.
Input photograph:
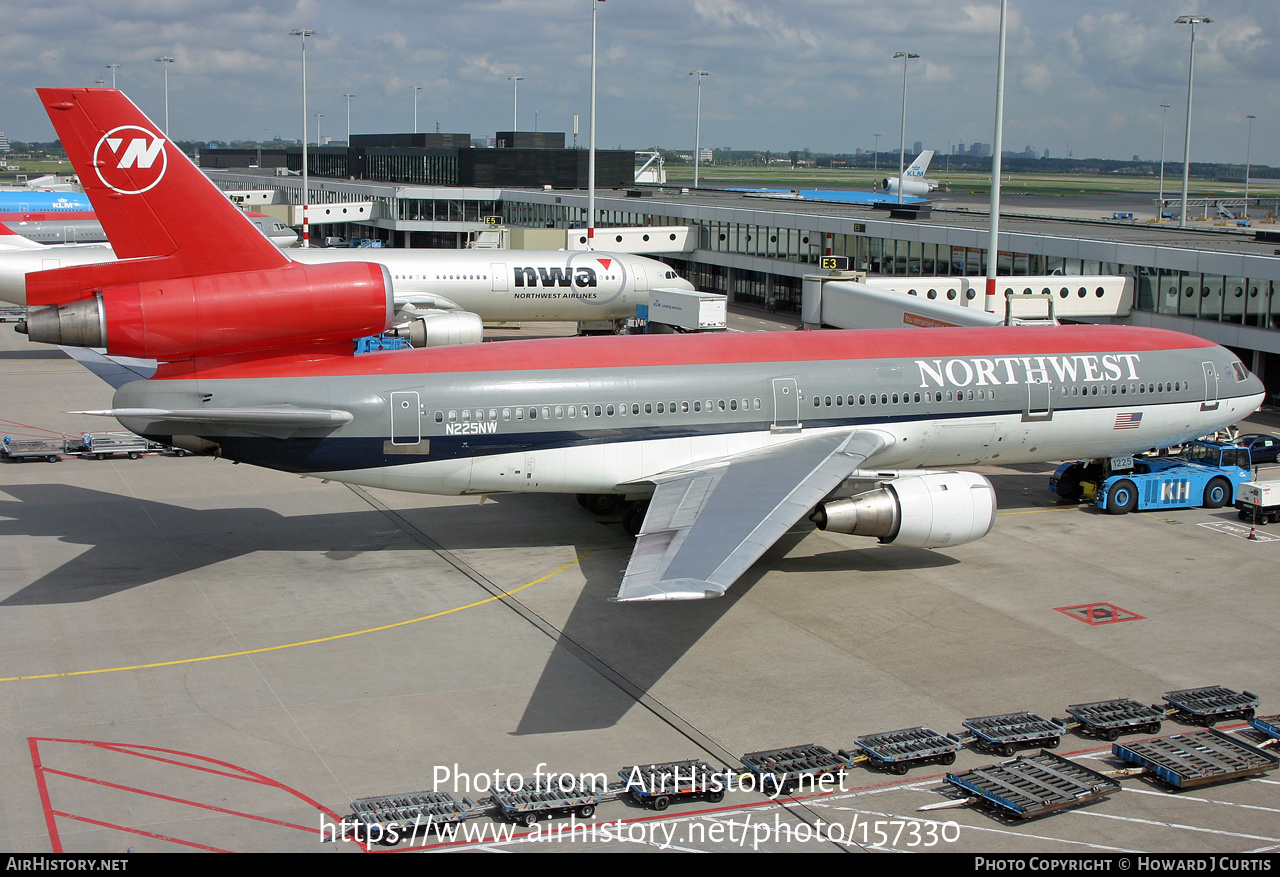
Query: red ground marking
(190, 761)
(1099, 613)
(140, 832)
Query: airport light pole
(902, 150)
(1192, 20)
(697, 127)
(113, 68)
(997, 148)
(875, 162)
(348, 97)
(591, 147)
(416, 89)
(165, 61)
(1247, 149)
(1164, 118)
(304, 32)
(515, 102)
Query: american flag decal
(1128, 420)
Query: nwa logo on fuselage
(130, 159)
(568, 276)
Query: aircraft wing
(421, 306)
(707, 525)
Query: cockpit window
(1240, 373)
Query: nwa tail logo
(130, 159)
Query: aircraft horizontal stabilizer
(284, 415)
(115, 370)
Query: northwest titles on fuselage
(1000, 370)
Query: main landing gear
(601, 504)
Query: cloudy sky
(1086, 76)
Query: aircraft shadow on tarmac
(641, 642)
(27, 355)
(133, 542)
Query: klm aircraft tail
(919, 166)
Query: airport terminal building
(1219, 283)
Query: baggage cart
(553, 795)
(1005, 734)
(658, 785)
(1185, 761)
(101, 445)
(1268, 725)
(1108, 719)
(1205, 706)
(1034, 785)
(899, 751)
(21, 450)
(392, 818)
(781, 771)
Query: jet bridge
(851, 300)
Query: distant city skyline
(1085, 78)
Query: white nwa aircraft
(444, 295)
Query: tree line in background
(1013, 163)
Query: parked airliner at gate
(723, 442)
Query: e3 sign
(834, 263)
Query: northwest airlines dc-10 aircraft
(731, 438)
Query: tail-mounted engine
(919, 511)
(175, 318)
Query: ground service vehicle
(689, 310)
(1258, 501)
(1206, 474)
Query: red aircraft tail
(195, 279)
(151, 200)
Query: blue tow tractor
(1206, 474)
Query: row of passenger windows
(902, 398)
(621, 409)
(985, 394)
(441, 277)
(1125, 389)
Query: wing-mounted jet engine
(929, 510)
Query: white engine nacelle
(443, 329)
(911, 187)
(918, 511)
